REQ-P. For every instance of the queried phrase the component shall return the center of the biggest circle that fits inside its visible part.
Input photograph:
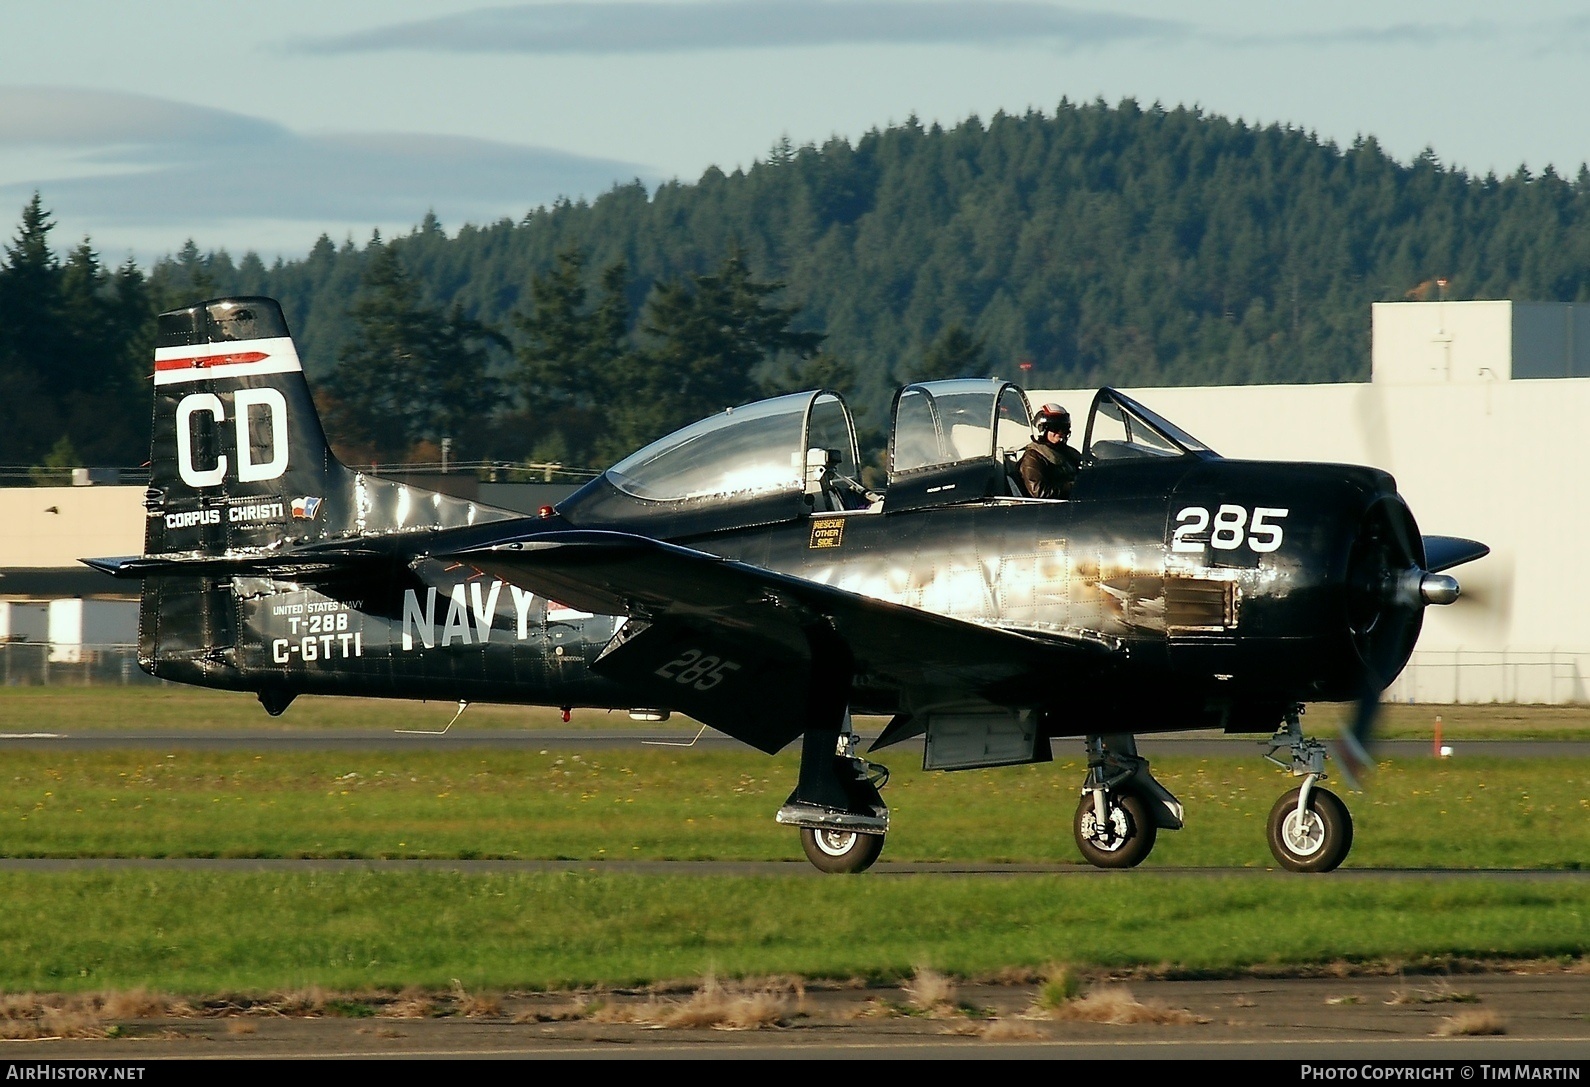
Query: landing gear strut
(1122, 807)
(1310, 829)
(836, 804)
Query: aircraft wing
(730, 643)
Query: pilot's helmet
(1052, 418)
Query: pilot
(1048, 465)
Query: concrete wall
(1478, 342)
(44, 527)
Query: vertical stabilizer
(239, 461)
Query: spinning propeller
(1392, 574)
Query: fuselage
(1221, 586)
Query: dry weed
(1472, 1023)
(54, 1023)
(301, 1002)
(475, 1006)
(411, 1003)
(241, 1026)
(1243, 1000)
(1115, 1005)
(1440, 994)
(1061, 985)
(142, 1004)
(581, 1007)
(714, 1004)
(1010, 1030)
(931, 993)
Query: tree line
(1092, 244)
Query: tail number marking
(1232, 527)
(696, 669)
(249, 470)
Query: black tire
(1129, 838)
(842, 851)
(1319, 842)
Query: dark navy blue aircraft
(738, 572)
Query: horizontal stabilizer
(303, 565)
(1445, 552)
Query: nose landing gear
(1310, 829)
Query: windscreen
(743, 451)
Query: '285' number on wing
(696, 669)
(1229, 528)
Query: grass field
(209, 932)
(651, 804)
(191, 932)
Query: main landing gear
(1310, 829)
(836, 804)
(1122, 808)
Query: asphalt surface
(1529, 1016)
(607, 739)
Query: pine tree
(711, 334)
(411, 373)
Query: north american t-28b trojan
(736, 571)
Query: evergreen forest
(1095, 244)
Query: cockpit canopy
(1119, 428)
(776, 460)
(762, 463)
(955, 441)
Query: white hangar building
(1481, 410)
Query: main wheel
(841, 850)
(1125, 837)
(1316, 840)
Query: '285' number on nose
(1229, 528)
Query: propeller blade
(1353, 746)
(1445, 552)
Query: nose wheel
(1311, 834)
(1310, 829)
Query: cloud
(1428, 35)
(131, 162)
(355, 177)
(625, 26)
(77, 117)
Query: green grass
(186, 709)
(651, 804)
(185, 932)
(209, 932)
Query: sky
(261, 126)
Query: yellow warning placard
(829, 533)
